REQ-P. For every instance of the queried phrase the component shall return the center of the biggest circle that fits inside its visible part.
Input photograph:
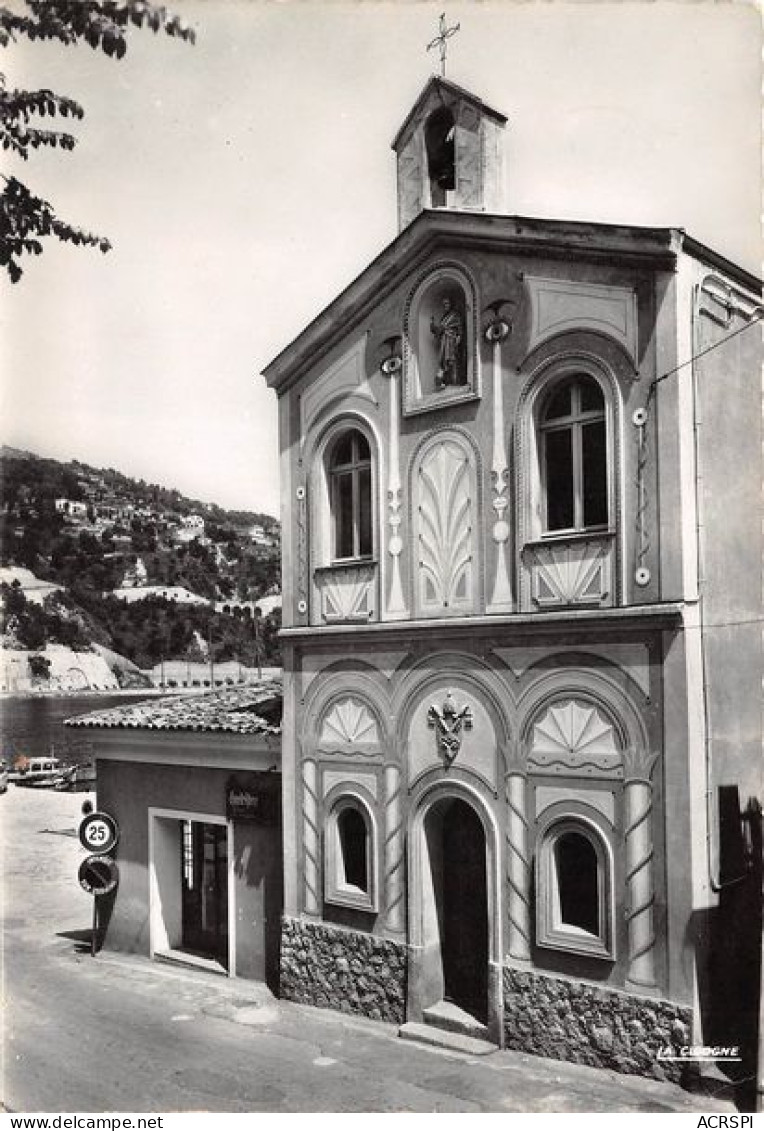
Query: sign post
(98, 873)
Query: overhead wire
(702, 353)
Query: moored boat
(41, 773)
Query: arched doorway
(455, 907)
(464, 934)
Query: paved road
(120, 1033)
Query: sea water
(34, 724)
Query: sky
(246, 180)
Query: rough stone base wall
(341, 969)
(593, 1025)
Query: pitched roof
(253, 709)
(445, 89)
(436, 229)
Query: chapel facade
(521, 605)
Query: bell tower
(450, 153)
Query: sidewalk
(122, 1033)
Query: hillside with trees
(105, 544)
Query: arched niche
(440, 356)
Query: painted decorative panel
(347, 593)
(575, 572)
(468, 159)
(632, 658)
(331, 778)
(347, 375)
(573, 736)
(559, 305)
(410, 181)
(601, 800)
(445, 567)
(349, 727)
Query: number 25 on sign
(98, 833)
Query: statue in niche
(449, 336)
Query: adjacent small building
(194, 784)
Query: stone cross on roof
(444, 34)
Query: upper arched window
(573, 455)
(350, 495)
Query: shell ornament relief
(574, 736)
(349, 724)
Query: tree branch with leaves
(27, 219)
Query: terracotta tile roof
(254, 709)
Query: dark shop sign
(250, 801)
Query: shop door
(205, 890)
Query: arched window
(573, 455)
(574, 890)
(350, 867)
(350, 496)
(352, 837)
(441, 167)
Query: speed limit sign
(99, 833)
